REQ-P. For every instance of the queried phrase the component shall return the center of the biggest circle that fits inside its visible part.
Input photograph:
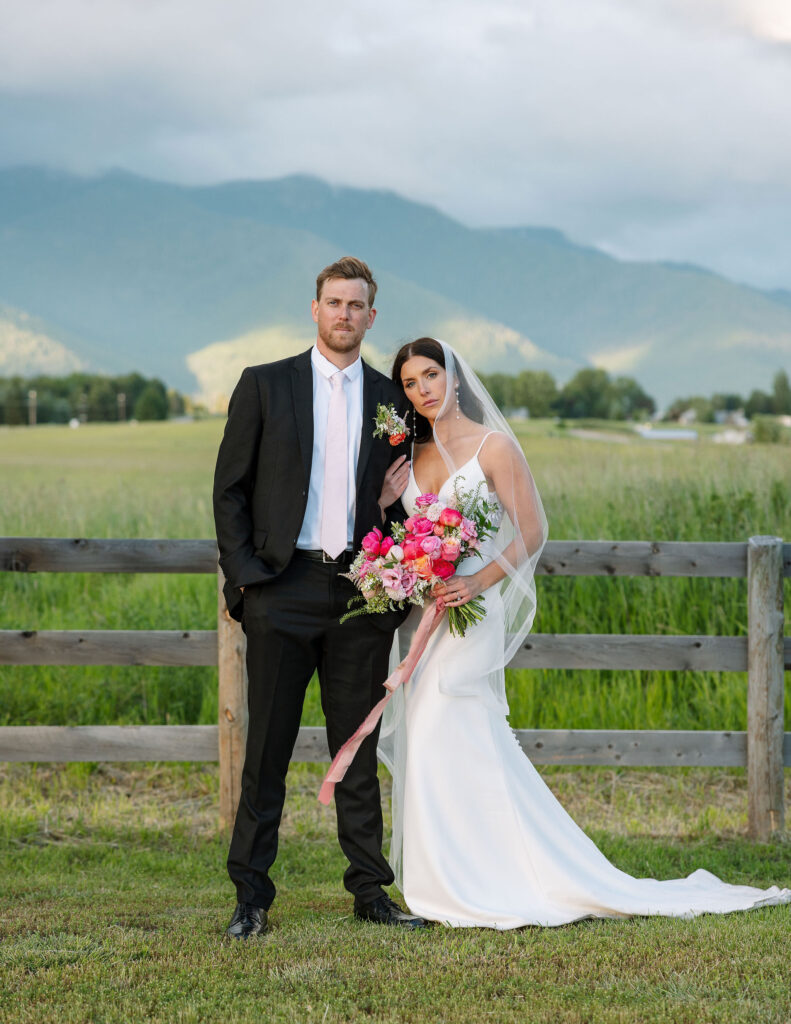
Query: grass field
(113, 895)
(114, 898)
(154, 480)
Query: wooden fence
(763, 654)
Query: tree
(132, 385)
(759, 403)
(14, 401)
(499, 386)
(152, 403)
(701, 406)
(102, 402)
(727, 402)
(781, 393)
(177, 406)
(586, 396)
(537, 391)
(629, 401)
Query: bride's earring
(458, 414)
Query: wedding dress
(479, 840)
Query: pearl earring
(458, 415)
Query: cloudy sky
(651, 128)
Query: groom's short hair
(349, 268)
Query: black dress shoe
(383, 910)
(247, 921)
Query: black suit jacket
(263, 469)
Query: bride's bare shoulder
(498, 449)
(498, 442)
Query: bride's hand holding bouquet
(414, 562)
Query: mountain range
(191, 283)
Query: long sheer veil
(516, 548)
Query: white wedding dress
(484, 841)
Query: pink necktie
(336, 471)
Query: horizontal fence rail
(629, 748)
(559, 558)
(108, 647)
(763, 654)
(686, 653)
(56, 554)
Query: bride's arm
(505, 466)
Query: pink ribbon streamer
(340, 763)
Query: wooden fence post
(765, 686)
(232, 706)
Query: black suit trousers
(293, 629)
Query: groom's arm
(234, 479)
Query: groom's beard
(343, 340)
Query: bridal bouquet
(421, 553)
(403, 569)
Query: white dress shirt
(310, 534)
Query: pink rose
(393, 584)
(450, 549)
(443, 569)
(424, 500)
(409, 524)
(391, 578)
(451, 517)
(468, 529)
(431, 544)
(422, 527)
(438, 530)
(364, 569)
(385, 546)
(408, 581)
(411, 547)
(371, 542)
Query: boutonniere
(389, 424)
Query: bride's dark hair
(430, 348)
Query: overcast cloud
(652, 128)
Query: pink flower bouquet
(420, 553)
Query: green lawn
(113, 900)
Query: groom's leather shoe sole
(383, 910)
(247, 921)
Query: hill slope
(141, 274)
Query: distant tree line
(760, 403)
(590, 394)
(86, 397)
(593, 394)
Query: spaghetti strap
(475, 456)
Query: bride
(478, 838)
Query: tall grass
(154, 480)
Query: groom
(299, 481)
